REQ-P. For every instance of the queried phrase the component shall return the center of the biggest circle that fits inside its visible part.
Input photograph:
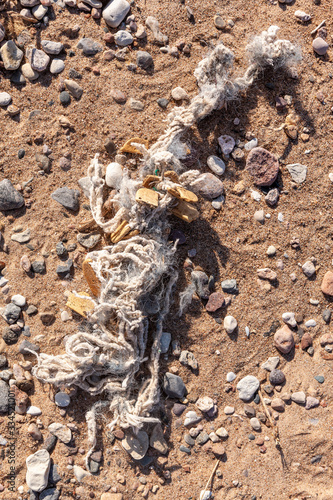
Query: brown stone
(119, 434)
(47, 318)
(263, 166)
(267, 274)
(325, 339)
(118, 96)
(284, 339)
(218, 449)
(306, 341)
(35, 432)
(259, 441)
(277, 404)
(215, 301)
(327, 283)
(280, 103)
(21, 400)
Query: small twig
(211, 476)
(274, 427)
(319, 26)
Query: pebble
(272, 197)
(136, 445)
(115, 12)
(62, 399)
(173, 386)
(39, 11)
(157, 440)
(80, 473)
(271, 251)
(216, 165)
(218, 202)
(26, 347)
(29, 73)
(284, 339)
(18, 300)
(21, 153)
(63, 433)
(298, 397)
(165, 342)
(11, 313)
(10, 198)
(229, 410)
(38, 468)
(327, 315)
(320, 379)
(57, 66)
(219, 22)
(222, 433)
(11, 55)
(231, 376)
(255, 424)
(65, 316)
(162, 102)
(9, 336)
(255, 195)
(74, 88)
(187, 358)
(298, 172)
(68, 198)
(215, 302)
(64, 270)
(311, 402)
(289, 319)
(35, 432)
(64, 97)
(118, 96)
(205, 404)
(302, 16)
(5, 99)
(310, 323)
(277, 377)
(191, 418)
(226, 143)
(89, 240)
(2, 32)
(185, 449)
(259, 216)
(114, 175)
(247, 387)
(202, 438)
(308, 269)
(278, 404)
(4, 395)
(52, 48)
(34, 411)
(123, 38)
(89, 47)
(37, 59)
(178, 94)
(136, 105)
(253, 143)
(320, 46)
(326, 285)
(263, 166)
(13, 110)
(306, 341)
(208, 186)
(230, 324)
(38, 266)
(22, 237)
(267, 274)
(50, 494)
(229, 286)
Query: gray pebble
(50, 47)
(123, 38)
(89, 240)
(184, 449)
(189, 440)
(89, 47)
(144, 60)
(229, 286)
(64, 270)
(327, 315)
(11, 313)
(61, 249)
(165, 342)
(162, 102)
(202, 438)
(9, 336)
(27, 346)
(21, 153)
(4, 394)
(49, 494)
(272, 197)
(173, 386)
(68, 198)
(277, 377)
(38, 266)
(10, 198)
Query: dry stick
(274, 427)
(211, 476)
(319, 26)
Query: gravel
(10, 198)
(173, 386)
(68, 198)
(247, 387)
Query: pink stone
(215, 301)
(263, 166)
(284, 340)
(320, 46)
(311, 402)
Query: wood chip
(171, 174)
(128, 148)
(185, 211)
(149, 196)
(150, 181)
(120, 232)
(183, 194)
(81, 305)
(92, 280)
(87, 226)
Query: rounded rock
(62, 399)
(327, 284)
(114, 175)
(230, 324)
(216, 165)
(57, 66)
(277, 377)
(263, 166)
(284, 339)
(123, 38)
(5, 99)
(178, 94)
(320, 46)
(247, 387)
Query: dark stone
(277, 377)
(49, 494)
(17, 78)
(185, 449)
(229, 286)
(20, 153)
(252, 437)
(173, 386)
(110, 146)
(61, 249)
(10, 198)
(316, 459)
(9, 336)
(38, 266)
(163, 102)
(68, 198)
(177, 235)
(65, 269)
(65, 97)
(54, 476)
(50, 442)
(89, 47)
(200, 280)
(74, 74)
(178, 409)
(249, 411)
(25, 345)
(144, 60)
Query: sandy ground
(229, 243)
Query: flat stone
(10, 198)
(11, 55)
(68, 198)
(80, 473)
(229, 410)
(144, 61)
(247, 387)
(230, 376)
(89, 47)
(5, 99)
(216, 165)
(320, 379)
(320, 46)
(179, 94)
(310, 323)
(311, 402)
(89, 240)
(123, 38)
(52, 48)
(136, 105)
(284, 339)
(226, 143)
(215, 301)
(259, 216)
(63, 433)
(38, 468)
(50, 494)
(184, 449)
(26, 347)
(115, 12)
(62, 399)
(37, 59)
(298, 397)
(65, 269)
(57, 66)
(178, 409)
(173, 386)
(230, 324)
(263, 166)
(34, 411)
(27, 15)
(74, 88)
(267, 274)
(229, 286)
(4, 395)
(136, 444)
(202, 438)
(11, 313)
(222, 433)
(298, 172)
(157, 440)
(165, 342)
(249, 411)
(205, 404)
(326, 285)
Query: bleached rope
(137, 275)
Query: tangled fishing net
(116, 354)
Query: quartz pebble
(216, 165)
(5, 99)
(298, 397)
(289, 319)
(271, 251)
(230, 376)
(259, 216)
(308, 269)
(57, 66)
(38, 467)
(114, 175)
(179, 94)
(284, 340)
(247, 387)
(310, 323)
(230, 324)
(34, 411)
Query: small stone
(326, 285)
(306, 341)
(123, 38)
(267, 274)
(247, 387)
(26, 347)
(13, 110)
(226, 143)
(187, 358)
(311, 402)
(39, 11)
(259, 216)
(284, 340)
(320, 46)
(57, 66)
(136, 444)
(62, 432)
(5, 99)
(208, 186)
(115, 11)
(216, 165)
(178, 94)
(191, 419)
(52, 48)
(136, 105)
(320, 379)
(215, 302)
(325, 339)
(185, 449)
(4, 395)
(255, 424)
(230, 324)
(37, 59)
(219, 22)
(68, 198)
(173, 386)
(80, 473)
(21, 153)
(38, 468)
(271, 251)
(229, 286)
(89, 47)
(34, 411)
(229, 410)
(327, 315)
(298, 172)
(157, 440)
(64, 270)
(89, 240)
(163, 103)
(277, 377)
(278, 404)
(298, 397)
(18, 300)
(10, 198)
(25, 264)
(35, 432)
(289, 319)
(11, 313)
(74, 89)
(118, 96)
(10, 337)
(202, 438)
(249, 411)
(114, 175)
(302, 16)
(272, 197)
(263, 166)
(38, 266)
(310, 323)
(165, 342)
(11, 55)
(205, 404)
(62, 399)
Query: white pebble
(271, 251)
(308, 269)
(251, 144)
(5, 99)
(255, 195)
(34, 410)
(178, 94)
(65, 316)
(302, 16)
(280, 217)
(216, 165)
(18, 300)
(114, 175)
(289, 319)
(247, 331)
(310, 323)
(231, 376)
(230, 324)
(330, 175)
